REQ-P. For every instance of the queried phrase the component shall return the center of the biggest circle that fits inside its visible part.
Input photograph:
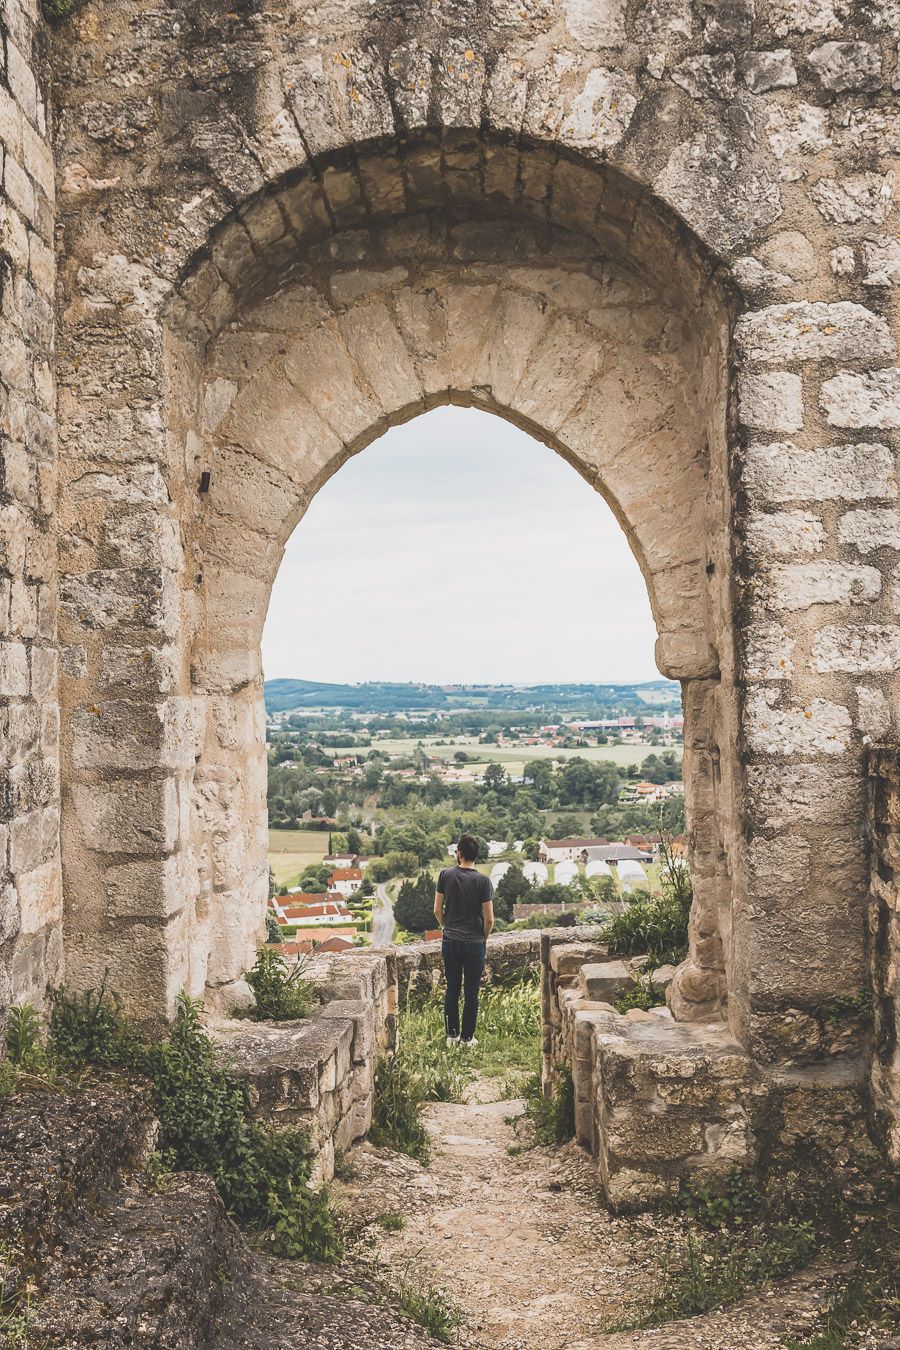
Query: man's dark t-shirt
(465, 890)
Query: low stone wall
(418, 968)
(319, 1072)
(660, 1103)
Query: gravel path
(523, 1246)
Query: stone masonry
(657, 234)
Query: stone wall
(655, 235)
(319, 1073)
(30, 881)
(416, 967)
(660, 1104)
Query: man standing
(464, 909)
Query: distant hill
(378, 697)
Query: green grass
(508, 1034)
(714, 1269)
(291, 851)
(429, 1306)
(423, 1068)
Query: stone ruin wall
(736, 160)
(30, 879)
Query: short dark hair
(468, 846)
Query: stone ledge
(297, 1074)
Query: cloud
(457, 548)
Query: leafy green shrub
(396, 1109)
(273, 927)
(88, 1028)
(657, 927)
(55, 10)
(281, 992)
(261, 1174)
(552, 1118)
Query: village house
(326, 913)
(347, 880)
(566, 850)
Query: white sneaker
(470, 1045)
(451, 1041)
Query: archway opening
(460, 628)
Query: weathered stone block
(785, 532)
(771, 401)
(803, 331)
(128, 817)
(767, 70)
(864, 648)
(782, 473)
(867, 400)
(605, 980)
(869, 530)
(798, 585)
(822, 727)
(847, 67)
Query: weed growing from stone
(852, 1007)
(552, 1118)
(639, 996)
(281, 992)
(429, 1306)
(261, 1174)
(344, 1167)
(744, 1235)
(24, 1044)
(868, 1302)
(391, 1222)
(657, 927)
(713, 1269)
(396, 1109)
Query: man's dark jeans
(463, 965)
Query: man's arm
(439, 908)
(487, 917)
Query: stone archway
(332, 307)
(271, 150)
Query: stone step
(147, 1267)
(61, 1147)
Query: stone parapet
(318, 1073)
(660, 1104)
(418, 967)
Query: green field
(512, 757)
(290, 851)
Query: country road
(384, 924)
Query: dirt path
(523, 1247)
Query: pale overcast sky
(458, 549)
